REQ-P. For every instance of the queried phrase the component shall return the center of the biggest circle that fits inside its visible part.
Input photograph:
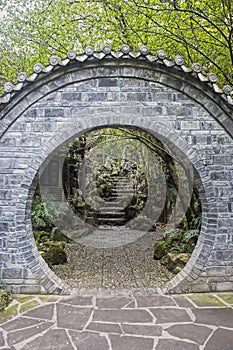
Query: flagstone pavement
(118, 320)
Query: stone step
(115, 197)
(107, 208)
(122, 194)
(117, 180)
(111, 221)
(121, 182)
(117, 201)
(123, 188)
(110, 214)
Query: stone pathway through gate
(119, 320)
(127, 266)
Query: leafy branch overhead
(200, 31)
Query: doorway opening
(116, 207)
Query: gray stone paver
(89, 341)
(150, 331)
(72, 317)
(1, 339)
(123, 316)
(104, 327)
(79, 300)
(173, 315)
(170, 344)
(222, 339)
(45, 312)
(218, 317)
(182, 301)
(196, 333)
(113, 303)
(129, 343)
(20, 323)
(18, 336)
(56, 339)
(152, 301)
(102, 321)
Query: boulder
(58, 236)
(175, 262)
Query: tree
(198, 30)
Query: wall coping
(160, 58)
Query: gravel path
(127, 266)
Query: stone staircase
(112, 212)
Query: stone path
(125, 267)
(119, 320)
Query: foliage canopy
(200, 31)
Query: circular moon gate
(124, 91)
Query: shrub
(5, 299)
(176, 241)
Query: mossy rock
(58, 236)
(55, 255)
(175, 262)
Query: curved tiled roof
(89, 53)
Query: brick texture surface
(117, 95)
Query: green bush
(189, 240)
(5, 299)
(43, 214)
(160, 249)
(176, 241)
(40, 216)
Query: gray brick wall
(70, 102)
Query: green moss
(228, 298)
(41, 236)
(48, 298)
(9, 313)
(160, 249)
(28, 306)
(55, 255)
(205, 299)
(23, 298)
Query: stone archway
(116, 88)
